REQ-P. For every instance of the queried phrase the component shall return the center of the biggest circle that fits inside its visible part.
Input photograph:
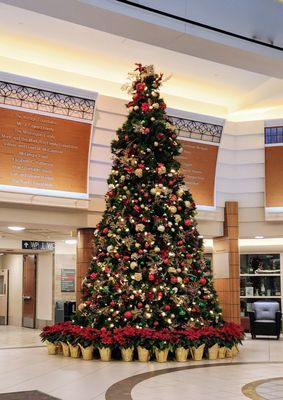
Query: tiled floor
(25, 365)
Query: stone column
(227, 277)
(84, 256)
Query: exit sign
(37, 245)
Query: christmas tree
(148, 269)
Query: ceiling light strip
(201, 25)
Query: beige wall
(44, 287)
(67, 261)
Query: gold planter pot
(181, 354)
(127, 354)
(213, 352)
(235, 351)
(105, 353)
(65, 348)
(222, 352)
(197, 352)
(232, 352)
(143, 354)
(74, 350)
(161, 355)
(87, 352)
(52, 348)
(229, 353)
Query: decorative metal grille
(273, 134)
(46, 101)
(188, 128)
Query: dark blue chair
(265, 319)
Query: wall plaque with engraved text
(43, 152)
(198, 165)
(274, 176)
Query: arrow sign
(37, 245)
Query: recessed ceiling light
(259, 237)
(16, 228)
(71, 241)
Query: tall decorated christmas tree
(148, 269)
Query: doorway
(29, 290)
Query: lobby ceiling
(92, 45)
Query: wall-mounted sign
(43, 154)
(198, 165)
(37, 245)
(67, 280)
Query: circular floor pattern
(122, 390)
(264, 389)
(255, 390)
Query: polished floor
(25, 366)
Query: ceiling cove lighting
(71, 241)
(261, 243)
(16, 228)
(259, 237)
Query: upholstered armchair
(265, 319)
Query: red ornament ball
(167, 307)
(127, 314)
(160, 136)
(151, 277)
(105, 230)
(117, 255)
(187, 222)
(202, 281)
(139, 305)
(173, 279)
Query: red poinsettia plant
(231, 334)
(227, 335)
(125, 337)
(208, 335)
(53, 333)
(88, 336)
(162, 339)
(71, 334)
(185, 338)
(105, 338)
(145, 338)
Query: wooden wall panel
(84, 256)
(228, 289)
